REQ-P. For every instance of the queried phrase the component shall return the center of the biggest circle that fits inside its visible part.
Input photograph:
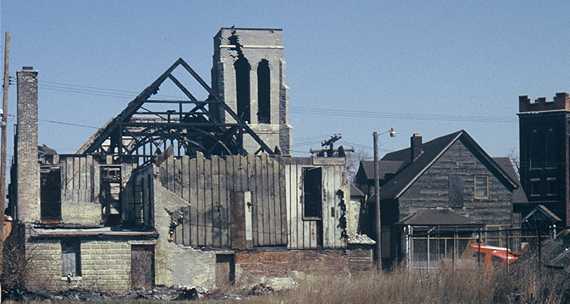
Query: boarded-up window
(312, 193)
(456, 191)
(71, 258)
(481, 187)
(51, 195)
(142, 266)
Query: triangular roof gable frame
(95, 142)
(477, 151)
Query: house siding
(431, 189)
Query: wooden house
(450, 172)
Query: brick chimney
(416, 146)
(28, 169)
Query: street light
(378, 251)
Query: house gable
(459, 165)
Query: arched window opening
(551, 149)
(263, 92)
(535, 150)
(242, 89)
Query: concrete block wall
(105, 265)
(177, 265)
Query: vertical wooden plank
(284, 210)
(176, 176)
(216, 221)
(200, 200)
(255, 201)
(260, 202)
(75, 179)
(184, 167)
(243, 173)
(193, 198)
(89, 184)
(208, 202)
(82, 180)
(267, 203)
(296, 229)
(171, 169)
(96, 180)
(275, 207)
(64, 180)
(185, 177)
(229, 188)
(186, 226)
(330, 204)
(223, 203)
(288, 196)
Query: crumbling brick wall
(279, 264)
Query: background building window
(551, 149)
(551, 186)
(535, 150)
(481, 187)
(535, 187)
(71, 258)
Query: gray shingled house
(451, 173)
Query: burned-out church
(185, 192)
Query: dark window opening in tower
(551, 148)
(263, 92)
(242, 88)
(535, 150)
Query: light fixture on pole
(378, 221)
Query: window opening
(50, 195)
(111, 194)
(481, 187)
(71, 258)
(242, 88)
(263, 92)
(312, 193)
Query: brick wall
(279, 264)
(28, 172)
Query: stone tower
(544, 153)
(26, 146)
(249, 75)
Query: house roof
(519, 197)
(386, 167)
(355, 191)
(432, 150)
(545, 213)
(439, 217)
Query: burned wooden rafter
(194, 130)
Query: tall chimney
(28, 169)
(416, 146)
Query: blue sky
(428, 67)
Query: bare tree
(515, 160)
(353, 160)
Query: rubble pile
(173, 293)
(163, 293)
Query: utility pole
(378, 222)
(4, 123)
